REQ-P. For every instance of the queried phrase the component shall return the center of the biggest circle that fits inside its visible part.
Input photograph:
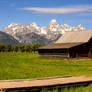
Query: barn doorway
(72, 53)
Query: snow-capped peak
(53, 20)
(34, 24)
(23, 33)
(79, 26)
(14, 24)
(65, 26)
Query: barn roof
(76, 37)
(60, 45)
(71, 39)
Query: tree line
(20, 47)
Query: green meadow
(79, 89)
(28, 65)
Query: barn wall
(53, 52)
(84, 50)
(90, 48)
(81, 51)
(72, 52)
(55, 55)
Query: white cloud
(61, 10)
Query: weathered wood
(63, 55)
(81, 50)
(34, 85)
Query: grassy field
(79, 89)
(27, 65)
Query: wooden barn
(70, 45)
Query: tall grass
(28, 65)
(79, 89)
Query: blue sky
(71, 12)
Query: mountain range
(8, 39)
(32, 33)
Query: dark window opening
(53, 51)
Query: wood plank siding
(71, 45)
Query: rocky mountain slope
(7, 39)
(32, 33)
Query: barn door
(72, 53)
(90, 53)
